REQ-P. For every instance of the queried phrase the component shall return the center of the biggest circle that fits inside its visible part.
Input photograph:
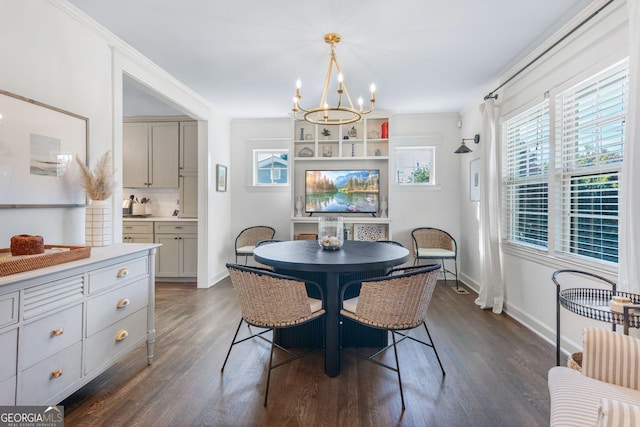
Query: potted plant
(326, 133)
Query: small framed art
(221, 178)
(474, 180)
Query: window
(415, 165)
(588, 144)
(271, 167)
(526, 176)
(591, 119)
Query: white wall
(55, 54)
(529, 291)
(263, 206)
(409, 206)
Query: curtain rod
(563, 38)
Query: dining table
(305, 259)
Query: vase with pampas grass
(99, 184)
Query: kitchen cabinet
(150, 154)
(74, 321)
(188, 170)
(137, 232)
(178, 255)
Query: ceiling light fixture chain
(339, 114)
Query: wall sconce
(463, 148)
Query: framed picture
(221, 178)
(38, 146)
(474, 180)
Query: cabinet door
(189, 196)
(188, 147)
(168, 255)
(163, 168)
(189, 255)
(135, 148)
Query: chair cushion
(246, 250)
(315, 304)
(575, 397)
(350, 304)
(435, 253)
(613, 413)
(611, 357)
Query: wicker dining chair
(248, 238)
(266, 242)
(433, 244)
(272, 301)
(394, 303)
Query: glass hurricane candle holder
(330, 232)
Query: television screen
(342, 191)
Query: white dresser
(62, 326)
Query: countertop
(158, 219)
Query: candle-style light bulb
(295, 103)
(373, 92)
(360, 102)
(340, 83)
(298, 85)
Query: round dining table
(331, 269)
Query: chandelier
(343, 111)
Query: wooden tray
(11, 265)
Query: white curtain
(491, 293)
(629, 231)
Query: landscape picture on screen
(342, 191)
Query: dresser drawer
(186, 227)
(117, 273)
(110, 343)
(47, 336)
(51, 376)
(8, 309)
(8, 391)
(108, 308)
(9, 353)
(135, 227)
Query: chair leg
(444, 271)
(455, 263)
(231, 346)
(266, 394)
(395, 352)
(433, 346)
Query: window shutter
(591, 121)
(525, 177)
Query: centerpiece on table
(99, 184)
(330, 232)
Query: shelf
(324, 159)
(347, 219)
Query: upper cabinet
(151, 155)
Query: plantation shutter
(592, 118)
(525, 177)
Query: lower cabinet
(178, 255)
(72, 323)
(137, 232)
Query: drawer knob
(123, 272)
(56, 374)
(57, 332)
(122, 334)
(123, 302)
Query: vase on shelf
(299, 206)
(383, 207)
(98, 223)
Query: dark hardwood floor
(496, 374)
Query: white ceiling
(244, 56)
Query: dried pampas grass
(98, 183)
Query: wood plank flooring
(496, 374)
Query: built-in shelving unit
(360, 145)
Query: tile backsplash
(163, 200)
